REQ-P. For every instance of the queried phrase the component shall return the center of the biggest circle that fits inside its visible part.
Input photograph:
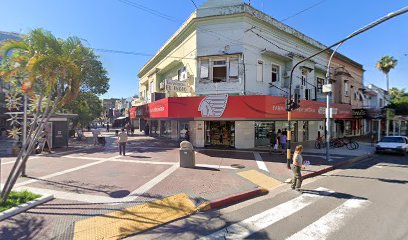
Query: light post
(292, 104)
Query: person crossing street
(122, 140)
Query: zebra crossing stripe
(262, 220)
(331, 222)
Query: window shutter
(233, 68)
(204, 69)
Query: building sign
(213, 105)
(359, 113)
(237, 107)
(176, 86)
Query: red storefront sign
(235, 107)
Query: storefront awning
(223, 106)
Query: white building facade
(227, 48)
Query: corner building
(224, 75)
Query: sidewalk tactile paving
(119, 224)
(260, 179)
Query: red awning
(235, 107)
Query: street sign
(327, 88)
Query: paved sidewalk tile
(119, 224)
(260, 179)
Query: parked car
(397, 144)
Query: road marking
(216, 166)
(261, 164)
(150, 184)
(120, 224)
(64, 172)
(264, 219)
(143, 162)
(331, 222)
(10, 162)
(72, 196)
(260, 179)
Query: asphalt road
(366, 201)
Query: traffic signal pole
(290, 101)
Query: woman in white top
(296, 168)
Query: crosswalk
(322, 228)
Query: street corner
(101, 182)
(208, 183)
(133, 220)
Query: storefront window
(347, 128)
(262, 133)
(165, 128)
(220, 133)
(154, 128)
(183, 127)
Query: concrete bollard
(187, 155)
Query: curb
(24, 207)
(231, 199)
(338, 165)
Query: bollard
(187, 155)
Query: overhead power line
(304, 10)
(150, 10)
(194, 3)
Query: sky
(143, 26)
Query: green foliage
(400, 105)
(88, 107)
(386, 63)
(17, 198)
(396, 93)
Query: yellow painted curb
(205, 206)
(119, 224)
(260, 179)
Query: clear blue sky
(112, 24)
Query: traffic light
(293, 103)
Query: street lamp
(291, 103)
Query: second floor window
(346, 88)
(275, 73)
(219, 69)
(320, 82)
(259, 71)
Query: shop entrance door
(220, 133)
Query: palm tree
(385, 65)
(50, 71)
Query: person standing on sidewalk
(122, 140)
(283, 143)
(273, 141)
(297, 167)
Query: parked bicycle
(350, 144)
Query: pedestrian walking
(95, 134)
(278, 138)
(272, 139)
(283, 143)
(107, 127)
(297, 166)
(147, 129)
(122, 140)
(187, 135)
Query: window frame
(319, 84)
(278, 73)
(210, 61)
(259, 77)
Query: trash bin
(187, 155)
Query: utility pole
(289, 101)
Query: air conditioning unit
(184, 76)
(161, 85)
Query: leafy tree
(51, 72)
(400, 105)
(385, 65)
(88, 106)
(396, 93)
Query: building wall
(244, 134)
(346, 72)
(181, 53)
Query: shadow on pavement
(22, 228)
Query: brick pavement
(148, 169)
